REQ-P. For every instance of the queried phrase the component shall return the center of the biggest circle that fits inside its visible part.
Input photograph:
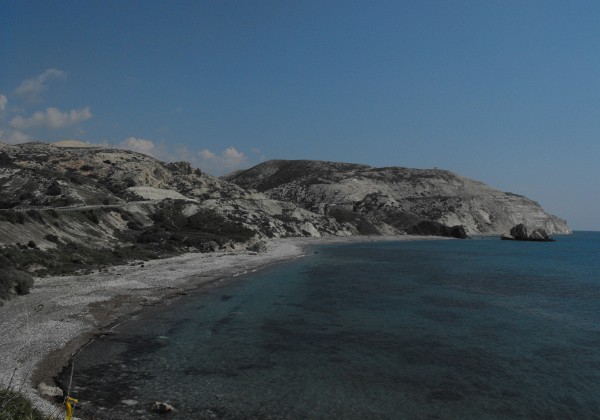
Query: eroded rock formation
(520, 233)
(394, 199)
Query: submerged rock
(162, 408)
(50, 391)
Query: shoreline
(44, 330)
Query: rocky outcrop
(520, 233)
(427, 227)
(391, 200)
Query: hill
(395, 199)
(64, 209)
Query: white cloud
(36, 85)
(137, 144)
(13, 136)
(3, 102)
(260, 155)
(206, 154)
(52, 118)
(232, 158)
(227, 161)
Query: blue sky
(506, 92)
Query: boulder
(458, 232)
(431, 228)
(49, 391)
(258, 247)
(539, 235)
(162, 408)
(210, 246)
(520, 233)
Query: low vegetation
(14, 406)
(13, 281)
(170, 234)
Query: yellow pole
(69, 405)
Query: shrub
(5, 262)
(25, 196)
(133, 225)
(14, 405)
(36, 215)
(93, 216)
(54, 189)
(14, 281)
(51, 238)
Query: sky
(505, 92)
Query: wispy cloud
(140, 145)
(205, 159)
(11, 136)
(52, 118)
(3, 102)
(228, 160)
(33, 87)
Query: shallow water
(430, 329)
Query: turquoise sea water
(450, 329)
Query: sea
(428, 329)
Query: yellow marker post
(69, 405)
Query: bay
(478, 329)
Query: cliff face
(393, 199)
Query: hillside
(392, 200)
(64, 209)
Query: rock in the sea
(458, 232)
(162, 408)
(520, 233)
(539, 235)
(129, 402)
(429, 227)
(50, 391)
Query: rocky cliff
(393, 200)
(70, 208)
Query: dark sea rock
(431, 228)
(539, 235)
(520, 233)
(162, 408)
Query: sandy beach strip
(40, 331)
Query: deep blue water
(452, 329)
